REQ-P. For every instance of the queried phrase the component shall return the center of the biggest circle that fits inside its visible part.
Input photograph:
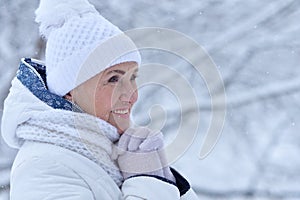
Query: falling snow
(255, 45)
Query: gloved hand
(141, 152)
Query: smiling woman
(70, 116)
(109, 95)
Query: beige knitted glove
(141, 152)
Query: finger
(153, 142)
(134, 143)
(132, 138)
(138, 136)
(124, 139)
(142, 132)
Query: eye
(133, 77)
(113, 79)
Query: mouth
(124, 113)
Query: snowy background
(255, 45)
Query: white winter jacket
(46, 171)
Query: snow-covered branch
(273, 90)
(242, 27)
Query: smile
(121, 111)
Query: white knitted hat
(80, 43)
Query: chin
(123, 128)
(120, 131)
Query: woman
(70, 118)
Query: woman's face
(109, 95)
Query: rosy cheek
(102, 111)
(102, 105)
(134, 97)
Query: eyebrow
(118, 71)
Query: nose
(128, 93)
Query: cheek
(103, 103)
(134, 97)
(135, 94)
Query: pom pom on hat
(79, 37)
(53, 14)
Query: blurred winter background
(256, 47)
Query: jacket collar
(32, 74)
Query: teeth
(121, 111)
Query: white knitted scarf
(78, 132)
